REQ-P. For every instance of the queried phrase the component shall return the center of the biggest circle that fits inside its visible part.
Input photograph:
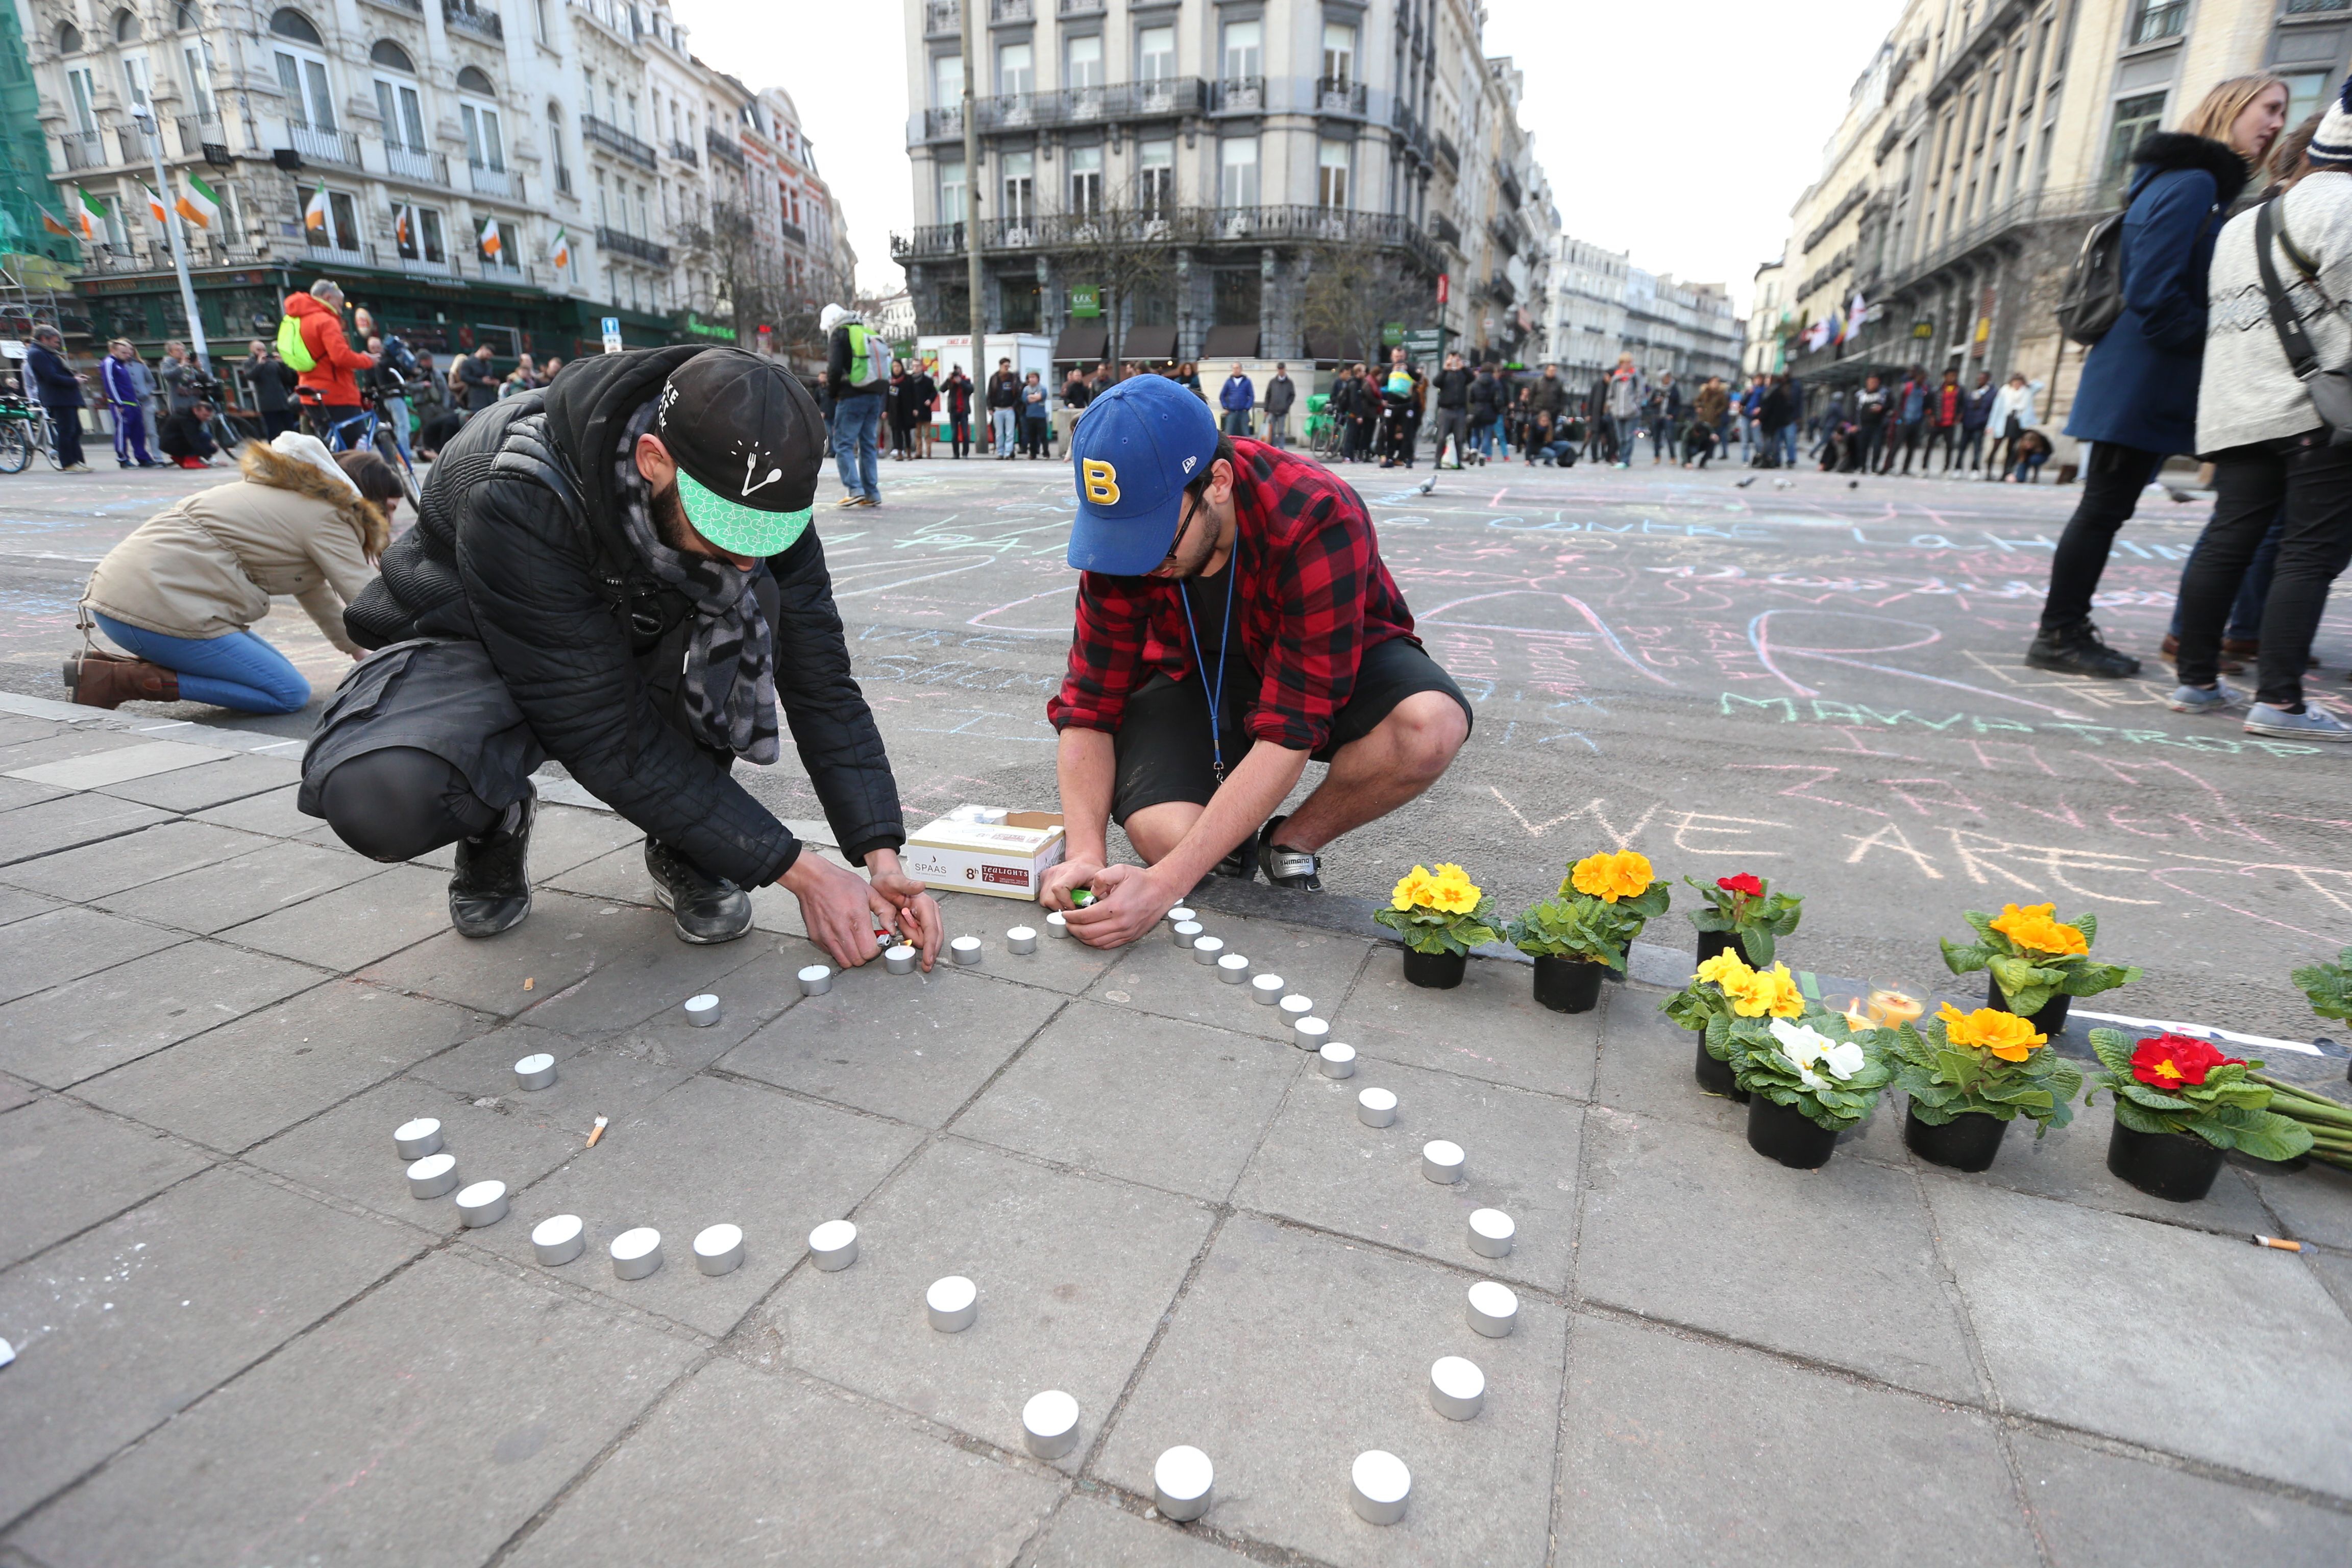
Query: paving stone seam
(1247, 1548)
(267, 841)
(8, 861)
(1560, 1425)
(2184, 1221)
(106, 1219)
(2165, 1459)
(1151, 1346)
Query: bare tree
(1126, 248)
(1353, 292)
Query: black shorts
(1162, 743)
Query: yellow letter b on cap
(1102, 481)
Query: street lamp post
(175, 233)
(971, 206)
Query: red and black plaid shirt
(1310, 595)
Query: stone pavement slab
(1836, 1265)
(1130, 1094)
(708, 1152)
(210, 783)
(15, 793)
(66, 1167)
(65, 821)
(641, 969)
(2071, 1163)
(16, 904)
(1292, 1354)
(68, 942)
(118, 765)
(232, 1087)
(130, 1323)
(95, 870)
(913, 1047)
(1060, 963)
(1681, 1451)
(749, 999)
(1089, 1533)
(14, 1093)
(1155, 975)
(426, 1422)
(271, 814)
(2104, 1511)
(1321, 1166)
(348, 1152)
(1073, 1273)
(564, 838)
(1489, 1027)
(605, 1077)
(2314, 1204)
(351, 926)
(61, 742)
(565, 939)
(2183, 1342)
(85, 1027)
(272, 876)
(741, 1467)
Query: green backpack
(869, 357)
(291, 348)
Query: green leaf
(2328, 986)
(2088, 925)
(2141, 1119)
(1967, 960)
(2113, 1051)
(2265, 1136)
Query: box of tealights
(1007, 859)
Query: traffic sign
(612, 335)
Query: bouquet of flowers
(1746, 906)
(1598, 911)
(2034, 957)
(1726, 990)
(1817, 1066)
(1439, 912)
(2170, 1083)
(1986, 1062)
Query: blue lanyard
(1224, 649)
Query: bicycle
(367, 432)
(26, 432)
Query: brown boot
(108, 682)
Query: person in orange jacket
(319, 315)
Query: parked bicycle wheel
(390, 451)
(15, 446)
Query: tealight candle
(1021, 939)
(1207, 949)
(1049, 1423)
(965, 950)
(637, 1253)
(815, 979)
(1233, 969)
(1381, 1484)
(1491, 1233)
(833, 1246)
(953, 1302)
(702, 1011)
(1265, 989)
(1308, 1034)
(417, 1139)
(1183, 933)
(1458, 1389)
(433, 1176)
(1335, 1059)
(1494, 1309)
(1056, 926)
(535, 1071)
(1295, 1006)
(900, 960)
(484, 1203)
(1441, 1162)
(1376, 1107)
(1183, 1483)
(718, 1249)
(557, 1240)
(1179, 914)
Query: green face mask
(736, 528)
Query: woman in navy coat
(2136, 403)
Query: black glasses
(1183, 521)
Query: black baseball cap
(749, 442)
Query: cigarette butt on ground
(594, 1132)
(527, 982)
(2277, 1242)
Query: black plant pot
(1711, 942)
(1437, 971)
(2179, 1167)
(1716, 1078)
(2049, 1021)
(1567, 985)
(1966, 1142)
(1781, 1132)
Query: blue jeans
(1787, 446)
(2253, 589)
(238, 670)
(1629, 428)
(1002, 421)
(857, 442)
(1482, 437)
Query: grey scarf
(730, 680)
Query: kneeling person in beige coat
(181, 593)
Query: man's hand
(901, 906)
(835, 906)
(1128, 901)
(1065, 879)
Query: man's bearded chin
(669, 517)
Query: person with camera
(186, 437)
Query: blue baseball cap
(1134, 450)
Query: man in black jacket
(1485, 403)
(617, 572)
(1280, 393)
(1452, 410)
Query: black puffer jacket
(517, 546)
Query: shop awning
(1231, 342)
(1153, 343)
(1081, 343)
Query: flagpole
(175, 235)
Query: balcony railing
(1010, 11)
(1446, 151)
(1240, 95)
(2158, 19)
(324, 146)
(941, 18)
(414, 7)
(620, 244)
(199, 132)
(792, 231)
(1447, 231)
(725, 150)
(1508, 184)
(613, 139)
(1409, 129)
(466, 16)
(83, 149)
(683, 153)
(1180, 226)
(409, 163)
(1079, 7)
(315, 255)
(417, 267)
(488, 181)
(1337, 95)
(1165, 98)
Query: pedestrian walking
(1486, 400)
(121, 376)
(1280, 396)
(1453, 385)
(181, 592)
(57, 388)
(1624, 407)
(2137, 401)
(269, 382)
(856, 378)
(632, 608)
(895, 412)
(957, 390)
(922, 406)
(1237, 397)
(2277, 469)
(1976, 413)
(1774, 416)
(1664, 410)
(1004, 408)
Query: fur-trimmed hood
(2162, 151)
(284, 466)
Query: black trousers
(2112, 481)
(959, 432)
(399, 802)
(2315, 481)
(67, 423)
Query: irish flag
(51, 225)
(90, 213)
(198, 202)
(314, 214)
(492, 240)
(560, 253)
(155, 206)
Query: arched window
(289, 23)
(126, 27)
(555, 146)
(184, 16)
(68, 38)
(474, 80)
(392, 56)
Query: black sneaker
(490, 891)
(704, 909)
(2078, 650)
(1241, 864)
(1293, 869)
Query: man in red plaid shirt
(1234, 622)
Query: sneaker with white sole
(2311, 724)
(2220, 699)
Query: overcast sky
(1681, 134)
